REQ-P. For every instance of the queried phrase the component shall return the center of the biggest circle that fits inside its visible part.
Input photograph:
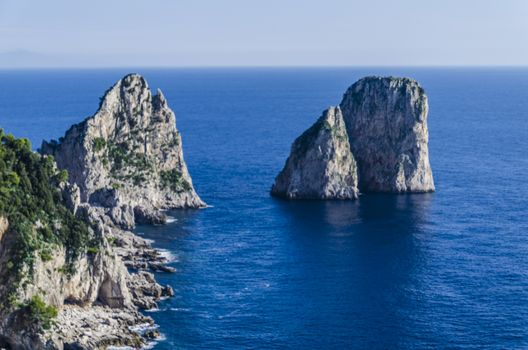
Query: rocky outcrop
(64, 255)
(127, 158)
(320, 164)
(386, 121)
(381, 124)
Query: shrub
(99, 143)
(63, 176)
(39, 312)
(173, 179)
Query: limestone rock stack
(382, 146)
(321, 164)
(386, 121)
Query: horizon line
(242, 66)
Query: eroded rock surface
(320, 165)
(127, 158)
(386, 121)
(382, 125)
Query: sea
(445, 270)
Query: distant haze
(126, 33)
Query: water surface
(441, 270)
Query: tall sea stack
(386, 121)
(386, 132)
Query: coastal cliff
(53, 261)
(72, 276)
(383, 127)
(127, 159)
(320, 164)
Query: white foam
(180, 309)
(167, 255)
(152, 344)
(171, 219)
(142, 328)
(155, 310)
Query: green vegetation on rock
(174, 180)
(39, 312)
(38, 219)
(99, 143)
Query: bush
(63, 176)
(39, 312)
(173, 179)
(99, 143)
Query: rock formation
(386, 121)
(127, 158)
(383, 127)
(320, 164)
(64, 254)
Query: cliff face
(386, 121)
(127, 158)
(63, 252)
(50, 259)
(320, 164)
(383, 126)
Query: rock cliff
(320, 164)
(64, 254)
(386, 121)
(127, 158)
(50, 258)
(382, 124)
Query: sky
(161, 33)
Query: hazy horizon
(235, 33)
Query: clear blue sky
(265, 32)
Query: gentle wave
(167, 255)
(171, 219)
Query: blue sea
(441, 270)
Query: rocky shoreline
(98, 326)
(86, 277)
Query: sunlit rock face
(375, 141)
(386, 121)
(127, 157)
(320, 165)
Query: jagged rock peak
(386, 119)
(128, 156)
(320, 165)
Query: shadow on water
(368, 254)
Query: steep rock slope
(386, 121)
(127, 158)
(320, 164)
(382, 124)
(48, 256)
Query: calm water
(443, 270)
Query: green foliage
(93, 250)
(63, 176)
(112, 241)
(99, 143)
(46, 255)
(39, 312)
(174, 180)
(31, 201)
